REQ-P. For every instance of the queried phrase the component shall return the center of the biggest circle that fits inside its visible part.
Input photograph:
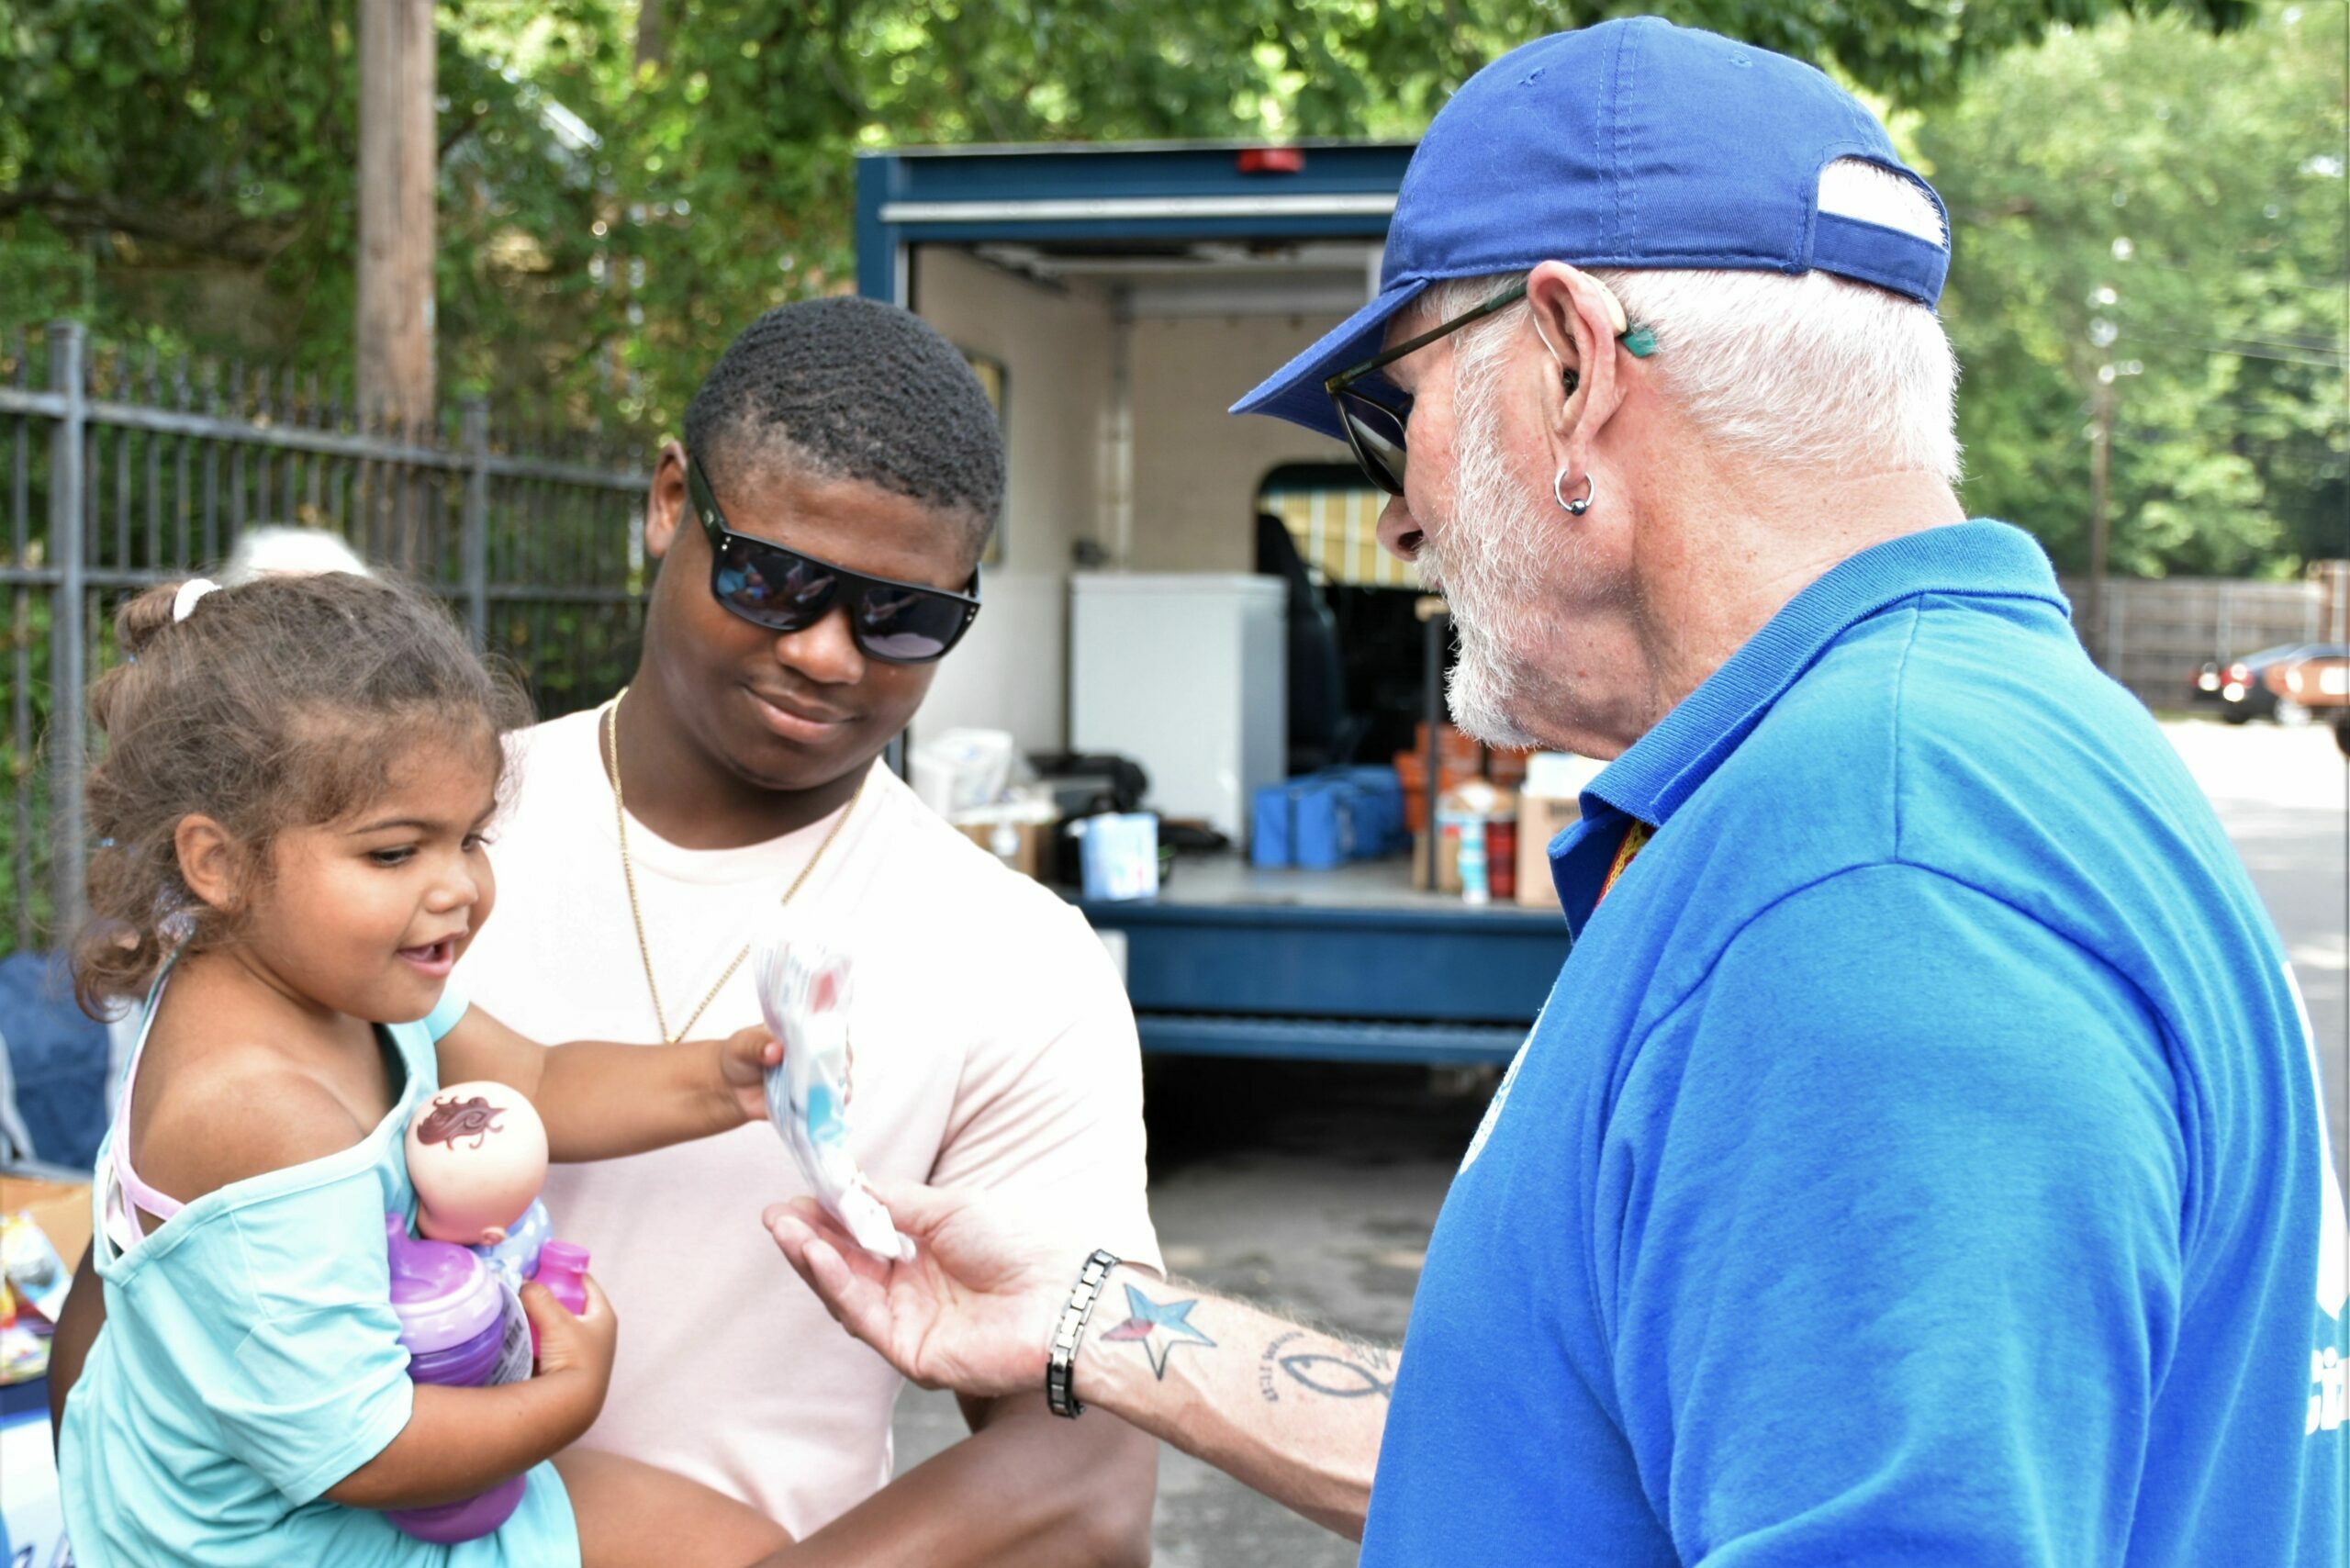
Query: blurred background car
(2240, 687)
(2317, 679)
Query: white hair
(1787, 369)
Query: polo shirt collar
(1665, 766)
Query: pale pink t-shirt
(994, 1047)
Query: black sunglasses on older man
(784, 590)
(1373, 412)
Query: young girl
(298, 775)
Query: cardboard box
(1540, 819)
(62, 1209)
(1448, 865)
(1018, 845)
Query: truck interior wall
(1196, 466)
(1009, 673)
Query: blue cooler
(1270, 826)
(1325, 823)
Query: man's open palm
(972, 1312)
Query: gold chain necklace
(628, 875)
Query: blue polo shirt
(1921, 1157)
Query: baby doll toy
(478, 1154)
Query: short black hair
(856, 389)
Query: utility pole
(2100, 468)
(2103, 333)
(398, 169)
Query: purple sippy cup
(456, 1326)
(562, 1268)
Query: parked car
(2239, 687)
(2319, 679)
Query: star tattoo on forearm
(1157, 1327)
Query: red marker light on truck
(1272, 159)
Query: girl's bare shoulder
(217, 1103)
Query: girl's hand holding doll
(575, 1346)
(457, 1436)
(574, 1352)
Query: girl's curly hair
(285, 702)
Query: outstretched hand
(974, 1309)
(744, 1059)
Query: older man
(1922, 1158)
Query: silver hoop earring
(1575, 508)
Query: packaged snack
(36, 1274)
(804, 991)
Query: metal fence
(119, 470)
(2158, 631)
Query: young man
(818, 534)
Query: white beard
(1496, 553)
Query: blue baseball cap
(1634, 143)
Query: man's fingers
(802, 1229)
(917, 1208)
(813, 1218)
(792, 1237)
(857, 1300)
(794, 1226)
(800, 1209)
(852, 1285)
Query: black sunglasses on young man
(1375, 426)
(783, 591)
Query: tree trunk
(397, 175)
(650, 44)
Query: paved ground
(2279, 792)
(1318, 1187)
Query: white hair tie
(184, 602)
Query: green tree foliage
(625, 182)
(2166, 208)
(185, 174)
(752, 111)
